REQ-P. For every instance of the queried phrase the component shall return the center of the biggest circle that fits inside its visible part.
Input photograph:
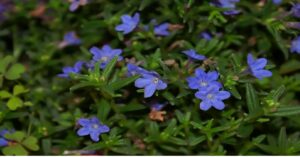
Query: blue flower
(193, 55)
(157, 106)
(105, 54)
(162, 29)
(227, 4)
(277, 2)
(212, 97)
(68, 70)
(295, 47)
(296, 10)
(129, 23)
(76, 3)
(91, 127)
(150, 83)
(206, 35)
(203, 80)
(135, 70)
(70, 38)
(256, 67)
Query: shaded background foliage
(261, 117)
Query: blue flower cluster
(256, 67)
(208, 89)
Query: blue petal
(3, 142)
(83, 121)
(149, 90)
(260, 74)
(161, 85)
(222, 95)
(212, 76)
(205, 105)
(74, 5)
(103, 129)
(218, 105)
(83, 132)
(95, 136)
(142, 82)
(200, 73)
(260, 63)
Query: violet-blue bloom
(128, 23)
(192, 54)
(150, 83)
(91, 127)
(295, 46)
(212, 97)
(227, 4)
(256, 67)
(277, 2)
(105, 54)
(68, 70)
(206, 35)
(296, 10)
(70, 39)
(162, 29)
(203, 80)
(76, 3)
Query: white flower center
(210, 96)
(203, 83)
(155, 80)
(104, 59)
(95, 126)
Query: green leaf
(132, 107)
(123, 82)
(81, 85)
(282, 139)
(18, 89)
(16, 136)
(109, 67)
(4, 63)
(15, 72)
(4, 94)
(196, 140)
(31, 143)
(16, 149)
(103, 110)
(14, 103)
(252, 100)
(289, 67)
(286, 111)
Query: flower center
(104, 59)
(95, 126)
(155, 80)
(210, 96)
(203, 83)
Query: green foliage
(41, 110)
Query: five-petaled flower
(70, 38)
(76, 3)
(212, 97)
(295, 47)
(203, 80)
(191, 53)
(256, 67)
(162, 29)
(150, 82)
(105, 54)
(129, 23)
(227, 4)
(296, 10)
(68, 70)
(91, 127)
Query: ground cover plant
(148, 77)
